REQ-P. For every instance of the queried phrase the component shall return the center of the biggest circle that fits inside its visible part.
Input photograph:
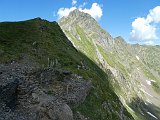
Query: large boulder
(54, 111)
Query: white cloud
(64, 11)
(144, 29)
(74, 2)
(95, 11)
(154, 15)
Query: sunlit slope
(135, 72)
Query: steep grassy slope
(42, 42)
(132, 76)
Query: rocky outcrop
(39, 94)
(8, 92)
(8, 88)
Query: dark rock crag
(28, 93)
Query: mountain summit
(80, 20)
(135, 78)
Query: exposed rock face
(8, 87)
(39, 94)
(8, 92)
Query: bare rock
(8, 87)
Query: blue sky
(117, 18)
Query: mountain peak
(83, 23)
(78, 16)
(78, 13)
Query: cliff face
(44, 77)
(133, 69)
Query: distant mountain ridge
(135, 68)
